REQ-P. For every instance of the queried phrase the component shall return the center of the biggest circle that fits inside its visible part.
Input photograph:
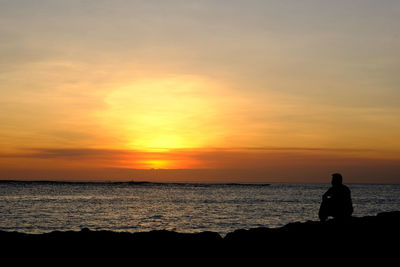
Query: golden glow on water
(177, 207)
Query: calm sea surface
(37, 207)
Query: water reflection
(37, 207)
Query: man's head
(336, 179)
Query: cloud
(215, 158)
(70, 153)
(95, 153)
(235, 164)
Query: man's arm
(327, 194)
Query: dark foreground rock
(358, 238)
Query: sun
(157, 164)
(163, 142)
(157, 114)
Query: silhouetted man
(336, 202)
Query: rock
(375, 236)
(370, 236)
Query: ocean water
(38, 207)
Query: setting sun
(158, 164)
(163, 113)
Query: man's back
(339, 193)
(336, 201)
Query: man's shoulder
(345, 188)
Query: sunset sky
(203, 91)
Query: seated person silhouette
(336, 202)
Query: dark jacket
(338, 201)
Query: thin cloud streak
(280, 149)
(202, 158)
(201, 165)
(49, 153)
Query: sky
(201, 91)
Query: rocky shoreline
(378, 234)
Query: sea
(40, 206)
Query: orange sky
(253, 91)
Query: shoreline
(381, 229)
(359, 241)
